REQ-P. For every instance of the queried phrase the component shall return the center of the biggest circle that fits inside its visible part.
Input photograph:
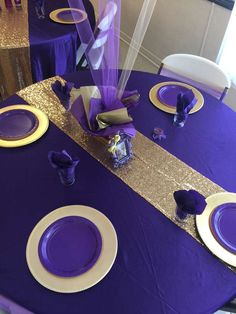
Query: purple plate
(16, 124)
(70, 246)
(223, 225)
(168, 94)
(67, 16)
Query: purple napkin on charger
(185, 102)
(189, 202)
(63, 92)
(65, 166)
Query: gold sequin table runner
(153, 173)
(15, 67)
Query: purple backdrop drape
(159, 267)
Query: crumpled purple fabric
(190, 202)
(97, 106)
(63, 92)
(65, 166)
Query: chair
(96, 47)
(196, 71)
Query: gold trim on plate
(54, 16)
(157, 103)
(88, 279)
(43, 124)
(204, 229)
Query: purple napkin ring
(159, 134)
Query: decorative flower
(159, 134)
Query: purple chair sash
(217, 94)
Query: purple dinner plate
(67, 16)
(168, 94)
(16, 124)
(70, 246)
(223, 225)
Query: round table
(160, 268)
(33, 49)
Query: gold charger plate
(157, 103)
(43, 124)
(54, 16)
(203, 226)
(94, 274)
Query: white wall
(177, 26)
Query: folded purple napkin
(63, 92)
(185, 102)
(189, 202)
(65, 166)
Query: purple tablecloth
(53, 46)
(159, 267)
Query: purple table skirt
(159, 267)
(53, 46)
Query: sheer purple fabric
(102, 53)
(102, 47)
(209, 90)
(96, 106)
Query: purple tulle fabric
(190, 202)
(63, 92)
(102, 54)
(105, 72)
(97, 106)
